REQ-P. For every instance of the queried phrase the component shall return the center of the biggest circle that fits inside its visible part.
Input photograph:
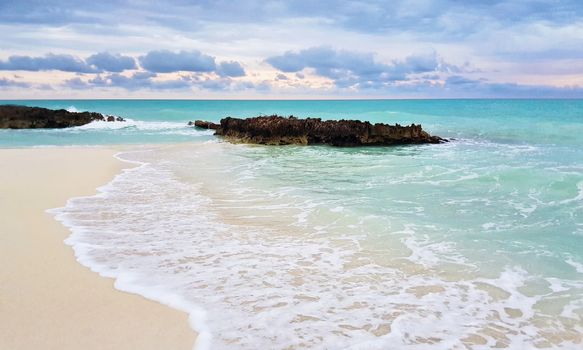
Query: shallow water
(472, 244)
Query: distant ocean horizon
(475, 243)
(27, 100)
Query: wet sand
(47, 299)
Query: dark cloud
(111, 62)
(154, 62)
(230, 69)
(164, 61)
(65, 63)
(351, 68)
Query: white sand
(47, 299)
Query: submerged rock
(23, 117)
(277, 130)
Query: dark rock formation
(204, 125)
(22, 117)
(276, 130)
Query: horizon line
(295, 99)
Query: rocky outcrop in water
(277, 130)
(204, 125)
(22, 117)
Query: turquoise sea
(472, 244)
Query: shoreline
(47, 298)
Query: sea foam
(261, 265)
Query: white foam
(138, 124)
(184, 228)
(577, 265)
(130, 126)
(578, 198)
(126, 280)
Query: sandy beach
(47, 299)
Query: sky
(291, 49)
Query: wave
(188, 227)
(139, 125)
(72, 109)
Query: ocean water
(473, 244)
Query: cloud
(430, 16)
(76, 83)
(164, 61)
(111, 62)
(230, 69)
(136, 81)
(463, 87)
(458, 86)
(543, 40)
(49, 12)
(461, 81)
(150, 81)
(65, 63)
(349, 69)
(9, 83)
(225, 84)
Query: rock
(110, 118)
(119, 119)
(205, 125)
(22, 117)
(277, 130)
